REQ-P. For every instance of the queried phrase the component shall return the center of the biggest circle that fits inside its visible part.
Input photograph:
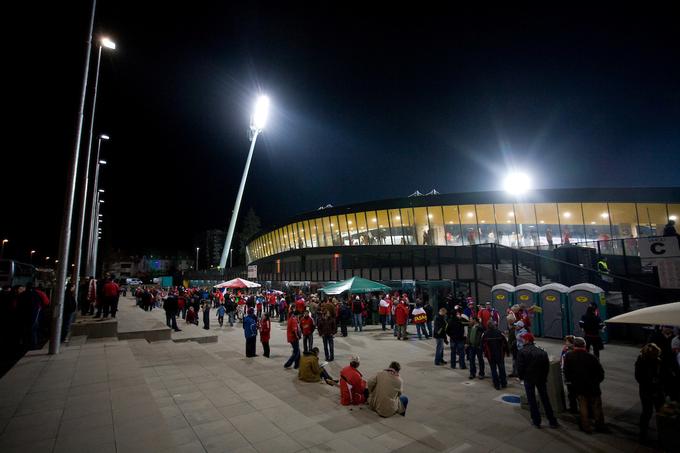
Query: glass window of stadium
(352, 229)
(674, 214)
(292, 237)
(548, 224)
(335, 231)
(527, 228)
(372, 230)
(344, 232)
(596, 221)
(623, 218)
(308, 234)
(453, 234)
(468, 216)
(408, 226)
(485, 231)
(422, 226)
(436, 218)
(653, 217)
(362, 228)
(300, 235)
(328, 231)
(283, 234)
(318, 231)
(396, 232)
(571, 220)
(384, 235)
(505, 225)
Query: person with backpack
(533, 366)
(250, 332)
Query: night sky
(367, 104)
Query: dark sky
(367, 104)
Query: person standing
(70, 307)
(206, 315)
(385, 392)
(591, 324)
(327, 329)
(456, 332)
(307, 326)
(420, 319)
(496, 349)
(648, 376)
(344, 315)
(533, 367)
(429, 311)
(474, 348)
(220, 314)
(250, 332)
(383, 311)
(293, 334)
(439, 335)
(584, 373)
(265, 327)
(401, 317)
(170, 307)
(357, 310)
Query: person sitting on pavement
(533, 367)
(352, 384)
(385, 392)
(311, 371)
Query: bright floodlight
(106, 42)
(104, 137)
(261, 111)
(103, 162)
(517, 183)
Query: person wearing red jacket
(300, 306)
(383, 311)
(293, 333)
(352, 384)
(307, 326)
(401, 317)
(265, 333)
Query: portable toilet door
(579, 298)
(554, 320)
(501, 300)
(527, 294)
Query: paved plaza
(107, 395)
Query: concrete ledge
(156, 334)
(95, 328)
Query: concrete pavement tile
(183, 436)
(211, 429)
(86, 439)
(266, 402)
(94, 420)
(200, 416)
(193, 447)
(393, 440)
(225, 443)
(36, 446)
(312, 435)
(278, 444)
(236, 410)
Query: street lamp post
(97, 237)
(231, 258)
(2, 252)
(94, 217)
(257, 123)
(31, 257)
(104, 42)
(65, 235)
(197, 249)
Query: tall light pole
(97, 237)
(257, 123)
(65, 235)
(197, 249)
(31, 256)
(103, 42)
(2, 252)
(231, 258)
(95, 208)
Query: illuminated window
(571, 219)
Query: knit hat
(354, 358)
(579, 342)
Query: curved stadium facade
(427, 237)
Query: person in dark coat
(495, 347)
(648, 376)
(584, 373)
(456, 332)
(439, 335)
(591, 325)
(250, 332)
(70, 307)
(533, 367)
(171, 307)
(327, 328)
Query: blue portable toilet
(552, 299)
(527, 294)
(579, 297)
(501, 299)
